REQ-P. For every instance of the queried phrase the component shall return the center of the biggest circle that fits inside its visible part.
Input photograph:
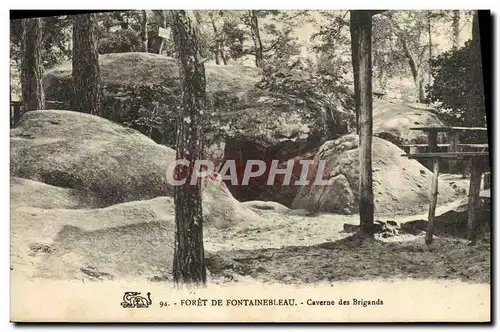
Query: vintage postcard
(250, 166)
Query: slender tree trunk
(421, 91)
(456, 28)
(144, 30)
(355, 27)
(429, 31)
(381, 78)
(477, 107)
(86, 72)
(31, 65)
(259, 51)
(222, 55)
(189, 260)
(363, 60)
(217, 42)
(155, 42)
(217, 60)
(413, 69)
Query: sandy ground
(283, 246)
(301, 249)
(293, 248)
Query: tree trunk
(155, 42)
(362, 59)
(413, 69)
(429, 31)
(456, 28)
(217, 50)
(86, 72)
(222, 55)
(381, 78)
(217, 60)
(478, 66)
(355, 27)
(189, 259)
(259, 51)
(421, 92)
(31, 65)
(144, 31)
(477, 108)
(432, 207)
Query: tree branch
(273, 45)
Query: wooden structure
(453, 145)
(477, 159)
(15, 112)
(482, 147)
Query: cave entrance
(242, 150)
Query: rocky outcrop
(84, 189)
(78, 243)
(244, 120)
(241, 110)
(109, 162)
(81, 160)
(392, 121)
(400, 185)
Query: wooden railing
(478, 164)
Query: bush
(459, 99)
(327, 94)
(119, 41)
(146, 108)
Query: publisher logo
(135, 300)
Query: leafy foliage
(234, 38)
(325, 93)
(458, 103)
(56, 34)
(147, 108)
(124, 40)
(332, 44)
(324, 68)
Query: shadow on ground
(360, 258)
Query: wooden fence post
(432, 207)
(453, 139)
(474, 199)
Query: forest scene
(387, 108)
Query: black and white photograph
(250, 166)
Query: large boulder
(136, 69)
(25, 192)
(66, 243)
(400, 185)
(109, 162)
(84, 189)
(90, 234)
(244, 119)
(86, 161)
(392, 121)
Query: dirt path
(350, 259)
(300, 249)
